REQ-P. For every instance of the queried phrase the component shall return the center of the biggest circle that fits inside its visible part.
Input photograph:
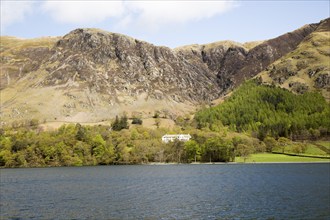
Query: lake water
(229, 191)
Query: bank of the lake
(259, 158)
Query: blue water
(232, 191)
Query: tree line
(77, 145)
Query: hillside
(233, 62)
(90, 75)
(264, 110)
(306, 68)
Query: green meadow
(269, 157)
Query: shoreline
(171, 164)
(229, 163)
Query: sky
(163, 23)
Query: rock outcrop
(112, 63)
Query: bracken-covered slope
(307, 67)
(92, 75)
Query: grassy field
(319, 148)
(268, 157)
(311, 149)
(324, 143)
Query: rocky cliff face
(114, 64)
(92, 75)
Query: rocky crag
(92, 75)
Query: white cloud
(14, 11)
(152, 14)
(127, 14)
(83, 12)
(146, 14)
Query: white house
(171, 137)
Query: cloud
(83, 12)
(146, 14)
(149, 15)
(14, 11)
(152, 14)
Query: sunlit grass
(268, 157)
(324, 143)
(313, 150)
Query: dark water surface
(233, 191)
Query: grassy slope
(147, 123)
(9, 44)
(312, 54)
(324, 143)
(311, 150)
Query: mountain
(233, 63)
(91, 75)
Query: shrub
(137, 121)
